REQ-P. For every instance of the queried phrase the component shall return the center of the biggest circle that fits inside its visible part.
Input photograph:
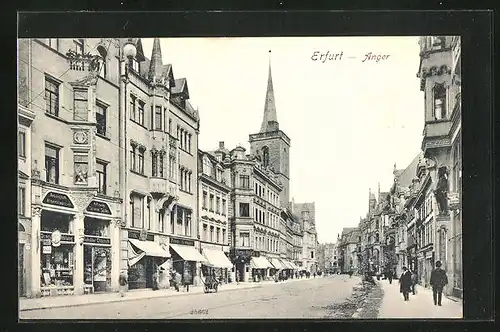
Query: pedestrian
(438, 281)
(123, 283)
(186, 278)
(177, 280)
(413, 281)
(405, 283)
(389, 276)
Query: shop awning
(277, 264)
(288, 264)
(150, 248)
(188, 253)
(217, 258)
(260, 263)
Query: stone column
(35, 251)
(78, 229)
(115, 253)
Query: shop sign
(46, 237)
(143, 235)
(136, 235)
(56, 238)
(58, 199)
(46, 249)
(96, 240)
(99, 207)
(183, 242)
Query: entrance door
(20, 269)
(149, 272)
(240, 267)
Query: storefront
(185, 259)
(218, 260)
(57, 255)
(241, 259)
(260, 267)
(146, 258)
(278, 267)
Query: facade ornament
(36, 211)
(441, 191)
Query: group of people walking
(408, 281)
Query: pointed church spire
(156, 64)
(270, 120)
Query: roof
(270, 119)
(180, 87)
(405, 177)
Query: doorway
(240, 268)
(20, 269)
(149, 271)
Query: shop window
(51, 164)
(81, 167)
(52, 96)
(96, 227)
(52, 221)
(97, 267)
(81, 107)
(101, 112)
(21, 144)
(101, 176)
(244, 210)
(57, 265)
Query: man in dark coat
(405, 283)
(438, 281)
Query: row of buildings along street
(112, 179)
(417, 221)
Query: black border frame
(475, 28)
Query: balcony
(158, 185)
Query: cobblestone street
(306, 298)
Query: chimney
(221, 145)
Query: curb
(125, 299)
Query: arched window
(103, 61)
(439, 92)
(265, 156)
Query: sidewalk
(78, 300)
(420, 305)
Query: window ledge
(23, 158)
(139, 124)
(55, 117)
(103, 137)
(137, 173)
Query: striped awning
(277, 264)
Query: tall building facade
(439, 72)
(68, 89)
(307, 213)
(161, 170)
(214, 198)
(108, 161)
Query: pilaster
(36, 213)
(78, 230)
(115, 227)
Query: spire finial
(270, 120)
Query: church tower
(272, 144)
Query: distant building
(348, 249)
(307, 213)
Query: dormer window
(439, 93)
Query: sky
(349, 120)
